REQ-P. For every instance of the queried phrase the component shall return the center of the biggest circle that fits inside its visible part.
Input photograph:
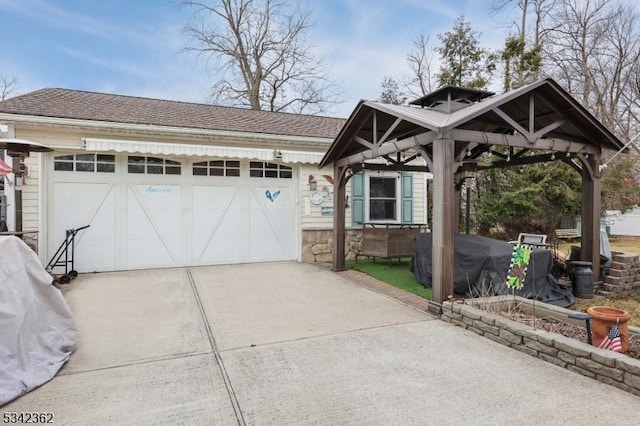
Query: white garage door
(149, 212)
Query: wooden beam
(389, 130)
(532, 116)
(339, 216)
(572, 164)
(363, 142)
(532, 159)
(513, 123)
(425, 155)
(520, 142)
(546, 129)
(357, 130)
(591, 204)
(389, 147)
(444, 212)
(397, 167)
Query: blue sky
(133, 47)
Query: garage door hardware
(62, 257)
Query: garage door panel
(224, 249)
(217, 224)
(154, 221)
(148, 253)
(272, 236)
(97, 255)
(78, 204)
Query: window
(217, 168)
(153, 166)
(93, 163)
(258, 169)
(381, 197)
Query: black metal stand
(63, 251)
(586, 318)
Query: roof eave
(155, 129)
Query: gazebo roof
(540, 111)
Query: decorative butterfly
(272, 197)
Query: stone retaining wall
(317, 245)
(624, 276)
(605, 366)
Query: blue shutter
(357, 199)
(407, 198)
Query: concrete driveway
(288, 343)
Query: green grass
(397, 275)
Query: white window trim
(367, 179)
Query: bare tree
(594, 48)
(7, 86)
(420, 61)
(262, 55)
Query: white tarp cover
(37, 329)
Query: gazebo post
(591, 205)
(444, 212)
(339, 215)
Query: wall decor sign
(272, 196)
(152, 189)
(326, 211)
(317, 198)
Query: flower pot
(605, 317)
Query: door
(148, 212)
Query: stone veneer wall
(609, 367)
(317, 245)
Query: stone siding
(609, 367)
(317, 245)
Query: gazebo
(536, 123)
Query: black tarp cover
(481, 266)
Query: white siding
(312, 217)
(312, 214)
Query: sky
(135, 47)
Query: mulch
(563, 328)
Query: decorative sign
(317, 198)
(326, 211)
(272, 196)
(518, 268)
(152, 189)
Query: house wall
(315, 220)
(317, 228)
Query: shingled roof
(81, 105)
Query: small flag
(5, 169)
(612, 340)
(518, 267)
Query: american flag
(5, 169)
(612, 340)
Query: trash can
(582, 279)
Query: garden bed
(571, 352)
